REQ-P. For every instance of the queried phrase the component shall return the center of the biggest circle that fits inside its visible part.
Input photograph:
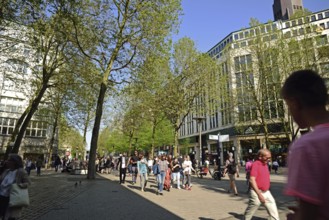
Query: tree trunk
(29, 115)
(51, 143)
(85, 129)
(176, 151)
(153, 141)
(94, 138)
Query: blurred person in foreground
(14, 173)
(306, 96)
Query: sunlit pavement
(62, 196)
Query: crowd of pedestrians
(169, 172)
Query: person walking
(163, 167)
(38, 164)
(142, 171)
(122, 165)
(134, 170)
(187, 166)
(260, 185)
(231, 168)
(58, 163)
(306, 95)
(28, 166)
(275, 166)
(176, 172)
(108, 165)
(248, 170)
(13, 174)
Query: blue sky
(206, 22)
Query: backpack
(231, 167)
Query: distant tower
(284, 9)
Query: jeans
(143, 178)
(187, 180)
(28, 170)
(134, 173)
(254, 204)
(161, 178)
(176, 177)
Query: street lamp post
(199, 121)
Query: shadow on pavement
(61, 196)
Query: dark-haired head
(16, 160)
(307, 87)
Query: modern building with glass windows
(255, 61)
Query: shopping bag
(18, 197)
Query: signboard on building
(223, 138)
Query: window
(274, 26)
(287, 24)
(313, 18)
(252, 32)
(266, 38)
(301, 31)
(268, 28)
(326, 14)
(7, 125)
(240, 35)
(320, 16)
(262, 30)
(294, 32)
(300, 21)
(246, 34)
(244, 84)
(293, 23)
(321, 40)
(287, 34)
(236, 36)
(243, 44)
(36, 129)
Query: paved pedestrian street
(64, 196)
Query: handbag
(18, 197)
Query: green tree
(116, 34)
(189, 85)
(46, 33)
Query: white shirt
(123, 162)
(150, 163)
(187, 165)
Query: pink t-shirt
(260, 171)
(248, 166)
(308, 163)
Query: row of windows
(252, 41)
(221, 46)
(34, 129)
(255, 31)
(297, 7)
(312, 18)
(11, 104)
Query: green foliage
(69, 137)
